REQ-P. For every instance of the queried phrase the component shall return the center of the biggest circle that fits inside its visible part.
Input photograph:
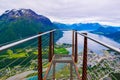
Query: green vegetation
(18, 60)
(25, 55)
(13, 29)
(61, 51)
(11, 55)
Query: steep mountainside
(110, 32)
(105, 30)
(18, 24)
(115, 36)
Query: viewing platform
(62, 62)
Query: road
(21, 76)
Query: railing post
(40, 58)
(84, 69)
(73, 43)
(76, 48)
(71, 72)
(51, 47)
(53, 44)
(54, 70)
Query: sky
(106, 12)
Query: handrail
(64, 29)
(49, 67)
(24, 40)
(76, 69)
(100, 42)
(33, 37)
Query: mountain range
(109, 31)
(78, 26)
(115, 36)
(105, 30)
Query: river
(97, 48)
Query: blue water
(97, 48)
(59, 66)
(32, 78)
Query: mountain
(79, 26)
(63, 26)
(13, 15)
(115, 36)
(118, 28)
(22, 23)
(105, 30)
(109, 31)
(87, 26)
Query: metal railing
(100, 42)
(51, 50)
(39, 55)
(24, 40)
(85, 54)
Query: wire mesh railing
(18, 63)
(103, 60)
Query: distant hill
(79, 26)
(63, 26)
(105, 30)
(18, 24)
(109, 31)
(115, 36)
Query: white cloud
(69, 11)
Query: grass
(12, 55)
(35, 52)
(3, 56)
(20, 55)
(61, 51)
